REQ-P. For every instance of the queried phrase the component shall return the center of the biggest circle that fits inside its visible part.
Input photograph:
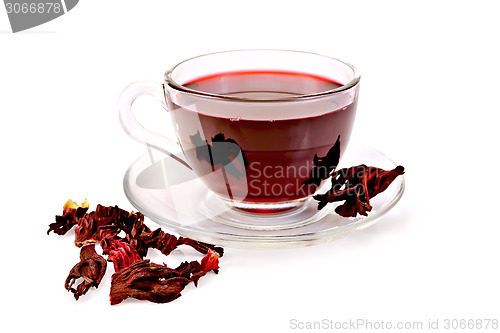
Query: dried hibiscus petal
(71, 213)
(147, 281)
(86, 230)
(357, 185)
(200, 246)
(157, 239)
(144, 280)
(88, 227)
(166, 243)
(120, 253)
(194, 270)
(131, 223)
(134, 277)
(106, 222)
(91, 269)
(209, 263)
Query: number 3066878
(472, 324)
(32, 7)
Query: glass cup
(252, 124)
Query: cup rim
(180, 87)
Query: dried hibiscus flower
(71, 213)
(105, 222)
(120, 253)
(357, 185)
(134, 277)
(91, 269)
(157, 239)
(209, 263)
(144, 280)
(201, 247)
(166, 243)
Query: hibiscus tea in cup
(277, 149)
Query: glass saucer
(174, 197)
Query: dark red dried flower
(134, 277)
(158, 283)
(157, 239)
(187, 269)
(91, 269)
(106, 222)
(87, 230)
(120, 253)
(200, 246)
(71, 213)
(89, 225)
(147, 281)
(166, 243)
(131, 223)
(357, 185)
(209, 263)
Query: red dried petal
(106, 222)
(357, 185)
(132, 223)
(187, 269)
(133, 276)
(210, 261)
(91, 269)
(383, 179)
(166, 243)
(146, 281)
(87, 230)
(200, 246)
(158, 283)
(157, 239)
(71, 213)
(120, 253)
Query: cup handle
(134, 129)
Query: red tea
(276, 147)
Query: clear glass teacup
(253, 124)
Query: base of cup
(261, 216)
(266, 208)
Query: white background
(429, 100)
